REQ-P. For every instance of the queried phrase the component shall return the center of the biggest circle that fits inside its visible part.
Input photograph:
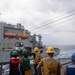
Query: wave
(65, 54)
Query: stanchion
(1, 67)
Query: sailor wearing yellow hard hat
(37, 58)
(50, 65)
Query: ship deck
(63, 62)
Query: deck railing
(1, 66)
(6, 63)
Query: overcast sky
(53, 19)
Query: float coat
(37, 58)
(50, 66)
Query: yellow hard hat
(36, 49)
(50, 50)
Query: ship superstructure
(16, 37)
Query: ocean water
(65, 50)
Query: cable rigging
(56, 24)
(54, 21)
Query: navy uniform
(70, 69)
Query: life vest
(71, 69)
(15, 62)
(25, 65)
(37, 58)
(50, 66)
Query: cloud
(34, 13)
(65, 38)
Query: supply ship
(17, 37)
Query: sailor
(70, 69)
(25, 64)
(36, 59)
(14, 64)
(50, 65)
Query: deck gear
(24, 51)
(50, 66)
(36, 49)
(50, 50)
